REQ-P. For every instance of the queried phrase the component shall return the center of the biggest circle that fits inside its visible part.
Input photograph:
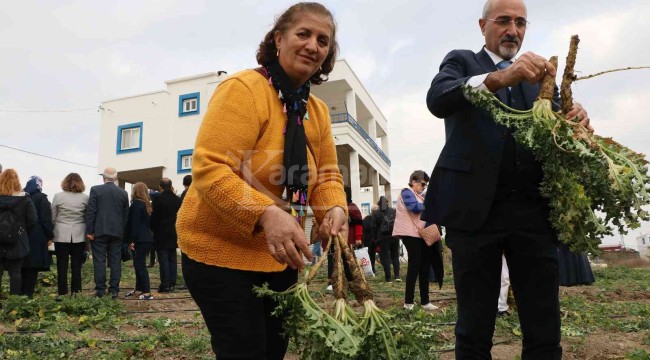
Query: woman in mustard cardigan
(264, 152)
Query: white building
(150, 136)
(643, 245)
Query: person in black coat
(138, 236)
(388, 244)
(163, 224)
(12, 255)
(368, 240)
(187, 181)
(38, 258)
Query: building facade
(643, 245)
(150, 136)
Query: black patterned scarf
(296, 171)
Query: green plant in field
(638, 354)
(29, 347)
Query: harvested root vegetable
(373, 322)
(342, 310)
(584, 174)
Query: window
(189, 104)
(129, 138)
(365, 209)
(185, 161)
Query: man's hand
(90, 237)
(529, 66)
(579, 114)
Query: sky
(71, 55)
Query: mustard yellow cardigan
(236, 169)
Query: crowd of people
(75, 227)
(265, 152)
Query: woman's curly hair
(267, 52)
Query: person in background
(383, 233)
(502, 305)
(138, 236)
(420, 254)
(187, 181)
(40, 237)
(68, 211)
(163, 225)
(106, 216)
(314, 240)
(574, 268)
(368, 240)
(14, 245)
(235, 228)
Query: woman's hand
(285, 237)
(334, 222)
(132, 246)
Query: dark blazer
(25, 211)
(163, 220)
(108, 210)
(464, 180)
(39, 258)
(138, 227)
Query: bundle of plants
(373, 326)
(593, 184)
(316, 334)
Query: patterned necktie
(502, 65)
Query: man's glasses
(504, 21)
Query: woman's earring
(277, 54)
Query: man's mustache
(510, 38)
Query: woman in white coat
(68, 216)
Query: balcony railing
(347, 118)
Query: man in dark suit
(163, 224)
(485, 190)
(106, 216)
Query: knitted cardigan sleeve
(230, 128)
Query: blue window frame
(189, 104)
(129, 138)
(184, 162)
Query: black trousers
(419, 266)
(107, 248)
(13, 267)
(28, 285)
(519, 229)
(168, 268)
(240, 323)
(141, 252)
(389, 254)
(74, 252)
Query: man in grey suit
(108, 209)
